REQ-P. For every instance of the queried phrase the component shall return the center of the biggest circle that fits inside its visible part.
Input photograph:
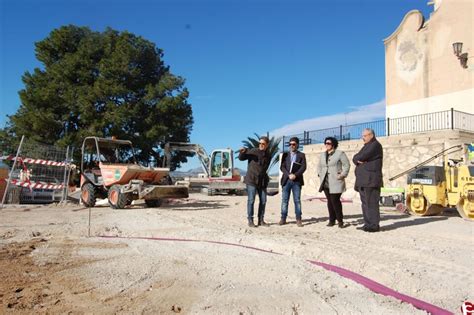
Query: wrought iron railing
(449, 119)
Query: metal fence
(449, 119)
(34, 173)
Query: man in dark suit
(293, 165)
(369, 180)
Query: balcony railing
(449, 119)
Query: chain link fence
(34, 173)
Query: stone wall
(401, 152)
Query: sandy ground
(48, 264)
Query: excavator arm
(187, 147)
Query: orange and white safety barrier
(34, 161)
(36, 185)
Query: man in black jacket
(256, 178)
(369, 180)
(293, 165)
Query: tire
(153, 203)
(88, 195)
(117, 200)
(464, 207)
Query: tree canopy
(102, 84)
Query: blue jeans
(289, 187)
(252, 191)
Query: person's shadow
(305, 222)
(402, 220)
(314, 220)
(357, 219)
(193, 205)
(415, 221)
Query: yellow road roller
(431, 189)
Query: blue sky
(251, 66)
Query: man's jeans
(252, 191)
(289, 187)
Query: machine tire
(153, 203)
(88, 195)
(463, 210)
(117, 200)
(428, 209)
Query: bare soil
(48, 264)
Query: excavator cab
(218, 167)
(222, 164)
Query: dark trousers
(370, 196)
(289, 187)
(252, 191)
(334, 206)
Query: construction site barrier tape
(36, 185)
(34, 161)
(366, 282)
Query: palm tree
(273, 147)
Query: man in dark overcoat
(368, 172)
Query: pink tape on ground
(366, 282)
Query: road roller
(431, 189)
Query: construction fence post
(11, 171)
(65, 177)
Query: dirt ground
(48, 264)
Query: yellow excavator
(431, 189)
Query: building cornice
(421, 21)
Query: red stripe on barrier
(36, 185)
(43, 162)
(34, 161)
(366, 282)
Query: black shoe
(282, 221)
(363, 227)
(263, 223)
(371, 230)
(340, 225)
(251, 224)
(331, 223)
